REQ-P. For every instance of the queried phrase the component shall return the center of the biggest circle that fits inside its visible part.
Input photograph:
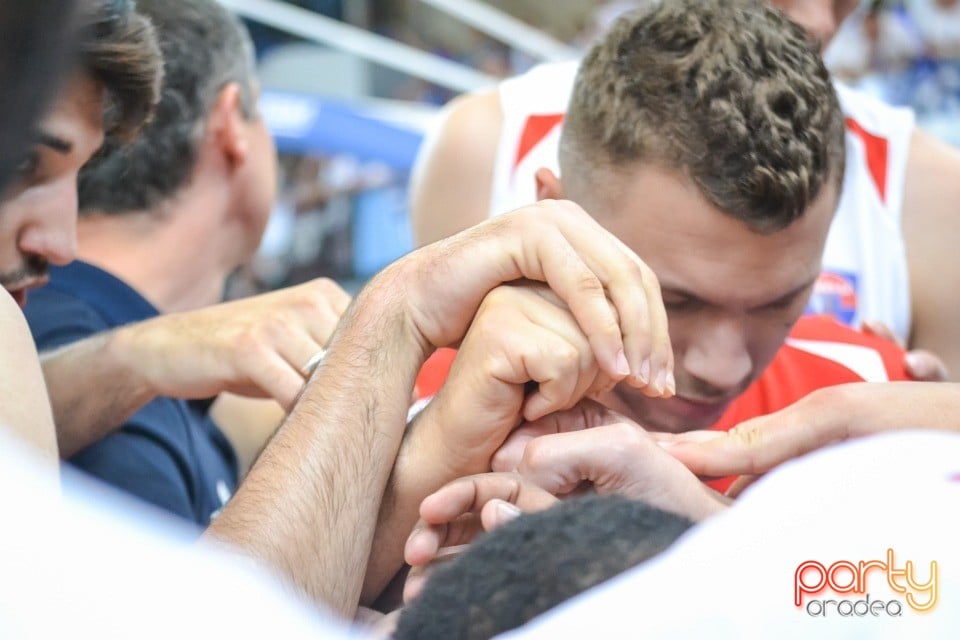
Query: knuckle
(490, 322)
(623, 432)
(588, 283)
(566, 358)
(748, 435)
(635, 271)
(496, 367)
(247, 343)
(500, 461)
(499, 296)
(526, 219)
(649, 277)
(536, 455)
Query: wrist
(387, 300)
(124, 353)
(426, 458)
(453, 439)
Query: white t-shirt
(94, 564)
(865, 269)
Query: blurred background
(350, 87)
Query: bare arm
(931, 229)
(24, 407)
(253, 347)
(520, 336)
(450, 186)
(310, 505)
(307, 502)
(824, 417)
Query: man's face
(38, 214)
(731, 294)
(820, 18)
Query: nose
(51, 231)
(717, 356)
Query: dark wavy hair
(118, 47)
(730, 92)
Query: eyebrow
(790, 295)
(57, 144)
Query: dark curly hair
(534, 563)
(728, 91)
(204, 48)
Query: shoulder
(931, 231)
(872, 112)
(545, 88)
(136, 462)
(57, 318)
(450, 185)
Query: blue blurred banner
(311, 125)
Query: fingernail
(659, 385)
(644, 373)
(671, 384)
(914, 364)
(665, 445)
(506, 511)
(623, 367)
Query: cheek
(12, 221)
(768, 333)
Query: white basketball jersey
(864, 264)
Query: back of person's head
(35, 45)
(534, 563)
(118, 48)
(729, 92)
(204, 48)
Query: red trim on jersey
(795, 373)
(878, 153)
(535, 129)
(434, 372)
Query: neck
(177, 256)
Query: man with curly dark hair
(708, 138)
(732, 223)
(718, 158)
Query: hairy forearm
(93, 389)
(309, 505)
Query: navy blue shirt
(170, 452)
